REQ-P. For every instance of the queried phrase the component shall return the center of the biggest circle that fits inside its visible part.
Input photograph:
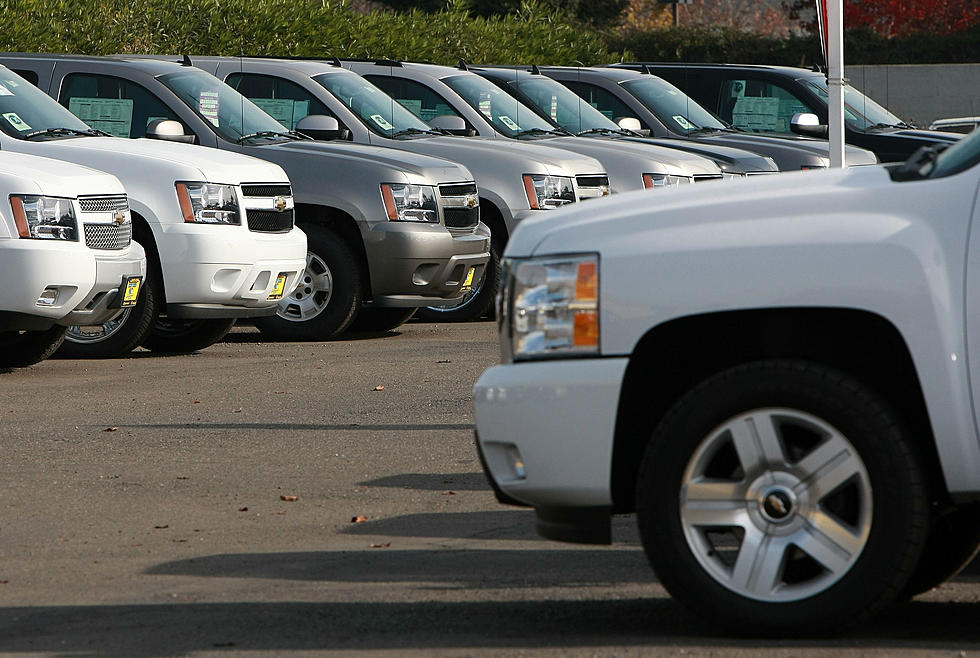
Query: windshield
(860, 112)
(26, 110)
(380, 112)
(675, 109)
(564, 106)
(505, 112)
(959, 157)
(229, 114)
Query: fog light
(516, 462)
(48, 297)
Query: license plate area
(468, 281)
(279, 289)
(131, 291)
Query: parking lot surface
(265, 498)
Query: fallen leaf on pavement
(379, 387)
(289, 499)
(381, 545)
(197, 400)
(160, 527)
(358, 519)
(242, 509)
(448, 493)
(111, 429)
(444, 361)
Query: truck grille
(103, 203)
(704, 178)
(461, 217)
(269, 221)
(592, 187)
(457, 190)
(108, 236)
(267, 190)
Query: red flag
(822, 24)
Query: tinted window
(417, 98)
(602, 100)
(119, 107)
(759, 105)
(675, 109)
(376, 109)
(562, 105)
(508, 115)
(283, 100)
(25, 109)
(30, 76)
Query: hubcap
(776, 505)
(312, 295)
(97, 333)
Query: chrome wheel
(776, 505)
(463, 301)
(312, 295)
(88, 335)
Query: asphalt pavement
(263, 499)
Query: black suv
(763, 99)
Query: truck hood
(425, 166)
(931, 136)
(685, 208)
(31, 174)
(188, 162)
(479, 153)
(782, 149)
(674, 162)
(731, 160)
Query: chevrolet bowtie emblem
(119, 217)
(279, 203)
(471, 203)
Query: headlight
(552, 306)
(410, 203)
(546, 192)
(44, 217)
(208, 203)
(665, 180)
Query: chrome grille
(592, 187)
(704, 178)
(103, 203)
(269, 221)
(267, 190)
(108, 236)
(457, 190)
(592, 181)
(461, 217)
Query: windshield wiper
(414, 131)
(292, 134)
(542, 131)
(602, 131)
(51, 132)
(885, 126)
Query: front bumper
(545, 434)
(87, 281)
(227, 271)
(422, 264)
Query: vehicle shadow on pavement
(158, 630)
(432, 481)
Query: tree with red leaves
(891, 18)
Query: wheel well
(343, 225)
(494, 219)
(672, 358)
(143, 234)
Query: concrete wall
(921, 93)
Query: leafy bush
(318, 28)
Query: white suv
(65, 253)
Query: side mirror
(322, 127)
(632, 123)
(452, 124)
(168, 131)
(808, 124)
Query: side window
(759, 106)
(119, 107)
(416, 97)
(284, 101)
(602, 100)
(30, 76)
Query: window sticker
(554, 108)
(4, 91)
(413, 105)
(111, 115)
(381, 121)
(755, 113)
(507, 121)
(16, 122)
(11, 84)
(207, 104)
(285, 111)
(439, 110)
(683, 122)
(485, 105)
(736, 89)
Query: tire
(953, 540)
(120, 335)
(172, 335)
(376, 320)
(475, 304)
(328, 295)
(807, 525)
(19, 349)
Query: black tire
(376, 320)
(329, 294)
(954, 538)
(474, 306)
(814, 414)
(173, 335)
(117, 340)
(19, 349)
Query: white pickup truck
(778, 378)
(218, 227)
(65, 255)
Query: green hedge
(294, 27)
(861, 46)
